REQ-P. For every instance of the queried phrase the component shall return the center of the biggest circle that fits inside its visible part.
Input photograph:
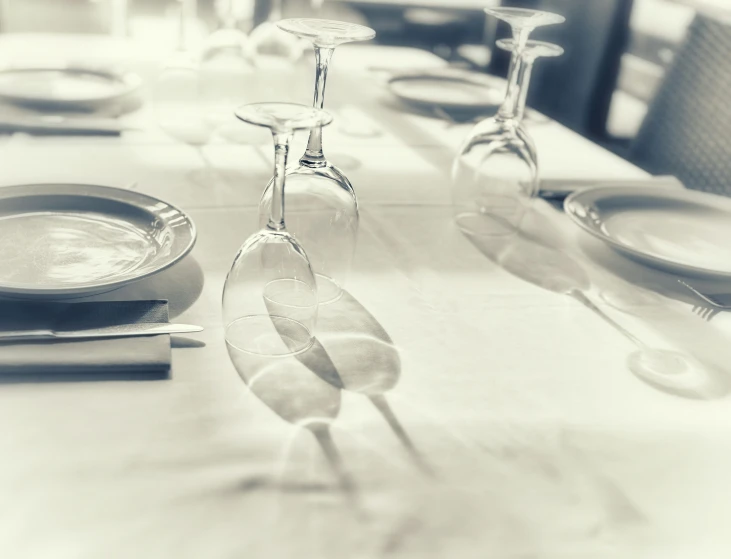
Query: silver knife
(120, 331)
(32, 123)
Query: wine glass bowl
(322, 212)
(270, 294)
(270, 298)
(494, 178)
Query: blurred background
(618, 52)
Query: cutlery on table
(60, 124)
(118, 331)
(705, 311)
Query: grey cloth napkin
(147, 356)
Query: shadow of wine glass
(536, 254)
(354, 352)
(299, 397)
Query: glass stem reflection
(313, 156)
(281, 150)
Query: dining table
(473, 401)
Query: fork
(705, 311)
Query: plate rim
(651, 192)
(131, 80)
(447, 75)
(103, 287)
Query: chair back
(687, 130)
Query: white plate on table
(72, 240)
(449, 88)
(65, 87)
(679, 231)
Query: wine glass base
(273, 336)
(328, 291)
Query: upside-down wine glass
(323, 208)
(229, 38)
(268, 47)
(495, 174)
(270, 294)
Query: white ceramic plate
(449, 89)
(679, 231)
(65, 87)
(72, 240)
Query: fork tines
(706, 313)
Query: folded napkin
(147, 356)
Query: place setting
(62, 243)
(333, 307)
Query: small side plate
(679, 231)
(72, 240)
(449, 89)
(65, 87)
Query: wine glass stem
(313, 156)
(520, 36)
(513, 106)
(281, 149)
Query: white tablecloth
(477, 411)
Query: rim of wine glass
(526, 13)
(318, 117)
(550, 49)
(297, 351)
(365, 33)
(292, 305)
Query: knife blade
(117, 331)
(61, 126)
(33, 123)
